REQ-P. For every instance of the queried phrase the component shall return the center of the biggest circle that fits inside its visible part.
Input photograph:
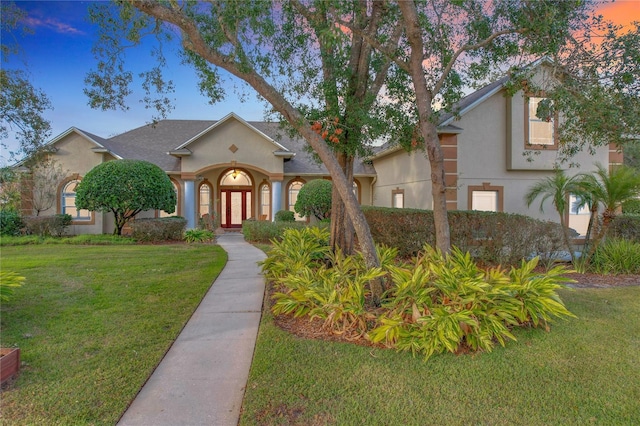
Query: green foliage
(491, 237)
(158, 229)
(84, 239)
(447, 303)
(625, 227)
(436, 303)
(285, 216)
(22, 106)
(198, 236)
(263, 231)
(126, 187)
(315, 199)
(631, 206)
(45, 226)
(10, 222)
(298, 249)
(617, 256)
(9, 281)
(311, 280)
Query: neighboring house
(240, 170)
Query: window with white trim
(485, 201)
(540, 131)
(68, 203)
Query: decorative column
(276, 197)
(189, 201)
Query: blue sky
(58, 56)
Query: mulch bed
(600, 281)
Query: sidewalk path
(201, 379)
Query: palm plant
(608, 190)
(557, 187)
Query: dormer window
(540, 133)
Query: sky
(58, 56)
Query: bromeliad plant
(446, 303)
(437, 303)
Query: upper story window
(541, 133)
(68, 203)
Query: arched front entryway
(236, 193)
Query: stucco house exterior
(238, 169)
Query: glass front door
(235, 206)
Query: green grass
(585, 371)
(90, 239)
(93, 322)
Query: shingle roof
(152, 142)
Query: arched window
(235, 177)
(206, 199)
(68, 203)
(265, 201)
(176, 212)
(292, 196)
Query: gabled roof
(472, 100)
(101, 144)
(224, 120)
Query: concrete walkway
(201, 379)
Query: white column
(276, 198)
(189, 203)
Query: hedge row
(626, 227)
(490, 237)
(262, 231)
(160, 229)
(46, 226)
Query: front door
(235, 206)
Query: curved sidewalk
(201, 379)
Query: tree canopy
(424, 53)
(22, 105)
(126, 187)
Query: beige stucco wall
(213, 148)
(409, 172)
(75, 157)
(483, 150)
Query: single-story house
(239, 169)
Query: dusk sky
(58, 56)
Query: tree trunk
(193, 40)
(342, 232)
(428, 129)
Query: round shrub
(314, 199)
(126, 187)
(285, 216)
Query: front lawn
(93, 322)
(585, 371)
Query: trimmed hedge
(285, 216)
(626, 226)
(491, 237)
(10, 223)
(262, 231)
(46, 226)
(158, 229)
